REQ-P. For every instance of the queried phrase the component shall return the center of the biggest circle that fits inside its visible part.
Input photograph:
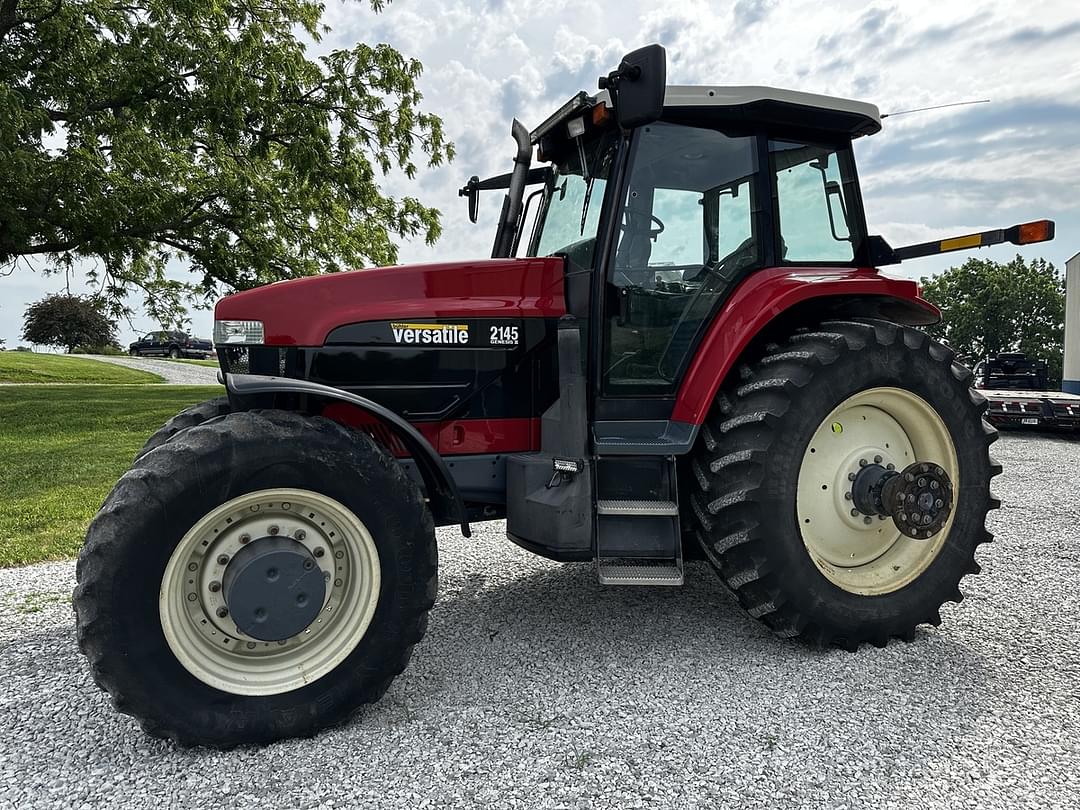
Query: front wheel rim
(194, 615)
(868, 555)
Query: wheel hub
(919, 499)
(273, 588)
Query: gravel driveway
(535, 687)
(174, 372)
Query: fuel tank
(464, 350)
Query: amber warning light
(1041, 230)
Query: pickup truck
(171, 344)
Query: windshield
(572, 212)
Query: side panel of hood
(301, 312)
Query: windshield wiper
(585, 204)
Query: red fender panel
(759, 299)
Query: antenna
(937, 107)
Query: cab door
(688, 229)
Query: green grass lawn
(30, 367)
(63, 448)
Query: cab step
(630, 571)
(663, 508)
(638, 541)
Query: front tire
(174, 353)
(151, 616)
(189, 417)
(773, 461)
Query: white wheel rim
(213, 649)
(878, 425)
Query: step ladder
(638, 540)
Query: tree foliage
(991, 307)
(68, 321)
(137, 132)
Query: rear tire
(755, 444)
(158, 513)
(174, 353)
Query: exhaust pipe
(511, 208)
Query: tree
(134, 133)
(68, 321)
(989, 307)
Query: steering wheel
(629, 215)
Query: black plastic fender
(442, 491)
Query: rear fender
(776, 301)
(443, 494)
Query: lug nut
(848, 496)
(222, 612)
(273, 530)
(223, 559)
(877, 459)
(300, 534)
(215, 586)
(890, 466)
(867, 520)
(851, 476)
(245, 539)
(854, 512)
(308, 565)
(863, 462)
(317, 552)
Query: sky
(924, 176)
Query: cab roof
(771, 105)
(750, 104)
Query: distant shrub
(108, 349)
(23, 349)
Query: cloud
(1035, 35)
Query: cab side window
(813, 187)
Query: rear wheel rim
(208, 644)
(883, 426)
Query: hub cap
(890, 428)
(269, 591)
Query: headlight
(238, 333)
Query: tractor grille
(268, 360)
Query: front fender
(768, 295)
(442, 491)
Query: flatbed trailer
(1043, 410)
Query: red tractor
(693, 355)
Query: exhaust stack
(511, 208)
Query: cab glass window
(813, 187)
(686, 233)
